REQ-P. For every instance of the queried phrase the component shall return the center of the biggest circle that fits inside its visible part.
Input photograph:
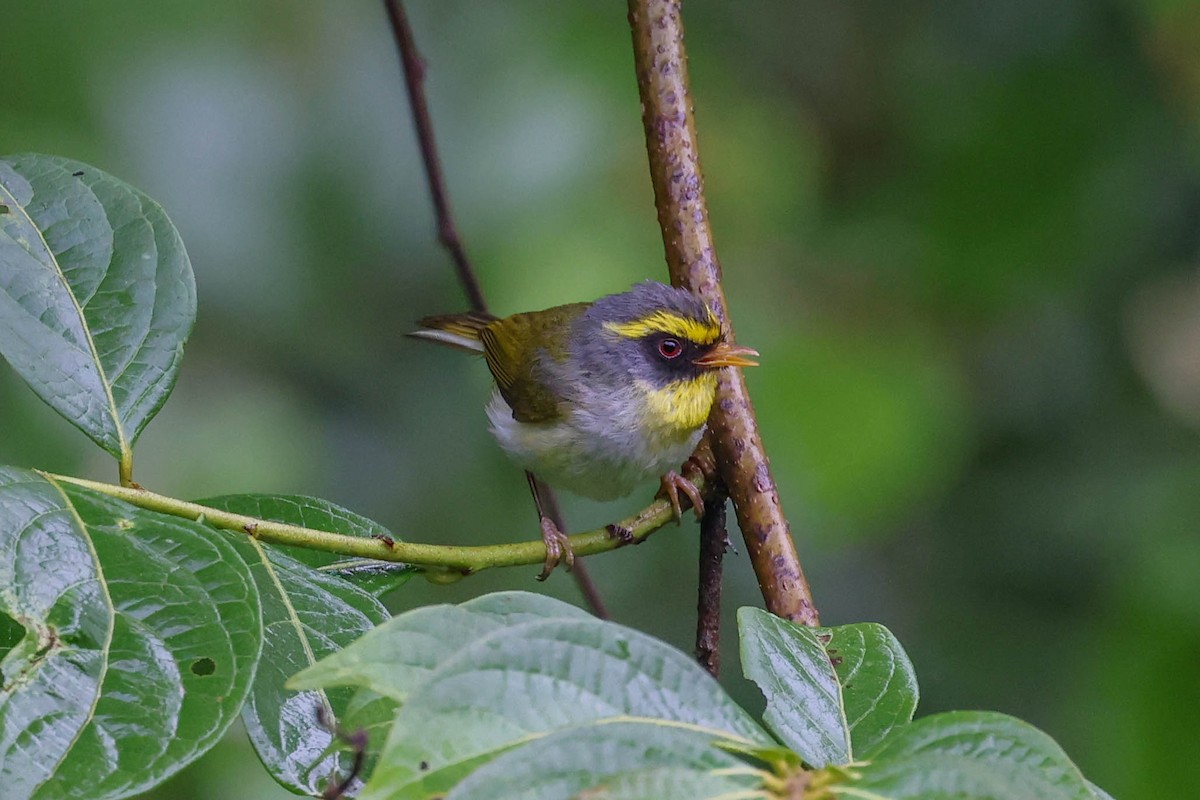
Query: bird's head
(667, 346)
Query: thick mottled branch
(433, 558)
(662, 76)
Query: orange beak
(727, 355)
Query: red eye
(670, 348)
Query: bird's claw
(558, 548)
(672, 484)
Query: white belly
(600, 452)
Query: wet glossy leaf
(973, 755)
(307, 615)
(96, 295)
(628, 759)
(804, 696)
(527, 680)
(832, 693)
(142, 633)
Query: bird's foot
(672, 484)
(558, 548)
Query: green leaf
(322, 515)
(527, 680)
(1099, 793)
(972, 755)
(832, 693)
(804, 697)
(307, 615)
(626, 759)
(11, 633)
(142, 634)
(372, 714)
(96, 295)
(879, 685)
(400, 654)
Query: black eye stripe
(663, 369)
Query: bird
(597, 398)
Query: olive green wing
(513, 347)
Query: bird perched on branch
(596, 398)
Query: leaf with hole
(96, 295)
(141, 634)
(307, 615)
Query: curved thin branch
(662, 77)
(437, 560)
(414, 79)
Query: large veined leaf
(141, 637)
(832, 693)
(398, 655)
(393, 658)
(96, 295)
(975, 755)
(307, 615)
(527, 680)
(623, 759)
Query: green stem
(125, 468)
(434, 558)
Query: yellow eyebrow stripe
(671, 324)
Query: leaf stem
(125, 468)
(461, 560)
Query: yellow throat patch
(701, 333)
(679, 408)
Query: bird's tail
(460, 331)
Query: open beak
(724, 354)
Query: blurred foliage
(962, 234)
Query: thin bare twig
(414, 80)
(662, 76)
(714, 539)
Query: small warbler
(598, 397)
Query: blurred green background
(964, 236)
